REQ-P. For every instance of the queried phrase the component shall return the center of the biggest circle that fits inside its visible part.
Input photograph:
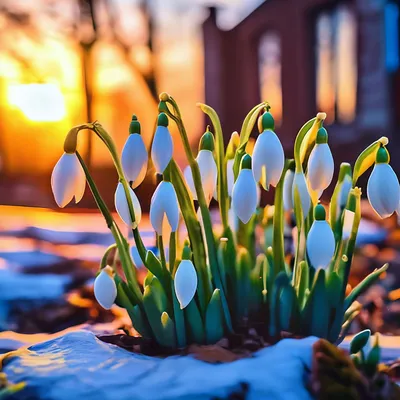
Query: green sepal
(162, 119)
(214, 319)
(168, 327)
(207, 142)
(359, 341)
(315, 316)
(195, 326)
(366, 283)
(134, 126)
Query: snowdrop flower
(105, 289)
(164, 203)
(68, 180)
(162, 148)
(185, 282)
(230, 176)
(208, 168)
(121, 205)
(288, 188)
(320, 242)
(268, 156)
(300, 184)
(383, 188)
(320, 163)
(244, 194)
(134, 155)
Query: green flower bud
(207, 141)
(186, 253)
(382, 156)
(245, 162)
(162, 120)
(134, 126)
(266, 121)
(319, 212)
(322, 136)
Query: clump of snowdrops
(224, 275)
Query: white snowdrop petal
(162, 148)
(320, 244)
(230, 176)
(208, 172)
(105, 290)
(185, 282)
(320, 167)
(121, 205)
(287, 190)
(300, 183)
(244, 195)
(187, 173)
(164, 203)
(80, 184)
(268, 154)
(383, 190)
(134, 159)
(66, 179)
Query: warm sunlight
(38, 101)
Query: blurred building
(305, 56)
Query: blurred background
(72, 61)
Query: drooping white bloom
(320, 242)
(68, 180)
(383, 190)
(208, 173)
(320, 164)
(163, 147)
(121, 205)
(300, 184)
(134, 159)
(185, 282)
(105, 290)
(164, 203)
(287, 190)
(268, 159)
(244, 194)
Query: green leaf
(359, 341)
(160, 296)
(278, 236)
(195, 326)
(315, 315)
(139, 321)
(364, 285)
(281, 281)
(148, 278)
(214, 319)
(299, 139)
(168, 327)
(153, 313)
(373, 359)
(256, 284)
(154, 265)
(286, 306)
(179, 319)
(243, 268)
(304, 281)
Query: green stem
(205, 212)
(172, 252)
(122, 245)
(160, 245)
(220, 153)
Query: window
(336, 64)
(392, 36)
(269, 56)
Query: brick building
(305, 56)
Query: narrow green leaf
(179, 319)
(195, 326)
(153, 313)
(154, 265)
(364, 285)
(139, 321)
(281, 281)
(304, 281)
(286, 306)
(214, 319)
(243, 268)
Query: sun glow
(42, 102)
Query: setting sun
(38, 101)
